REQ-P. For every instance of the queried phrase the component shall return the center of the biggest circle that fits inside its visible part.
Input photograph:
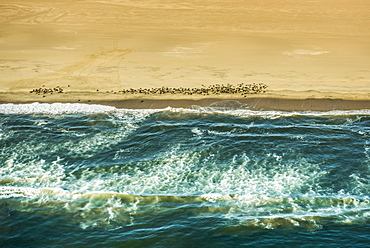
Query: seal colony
(216, 89)
(44, 91)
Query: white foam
(29, 192)
(273, 114)
(280, 114)
(53, 108)
(73, 108)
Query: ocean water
(76, 175)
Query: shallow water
(80, 175)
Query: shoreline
(253, 103)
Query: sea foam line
(53, 108)
(75, 108)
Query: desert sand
(303, 50)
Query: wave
(112, 209)
(53, 108)
(264, 195)
(116, 167)
(81, 108)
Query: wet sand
(226, 102)
(249, 103)
(304, 51)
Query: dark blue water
(75, 175)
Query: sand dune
(300, 49)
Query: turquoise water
(76, 175)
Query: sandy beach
(311, 54)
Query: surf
(100, 167)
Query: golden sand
(307, 49)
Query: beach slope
(94, 49)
